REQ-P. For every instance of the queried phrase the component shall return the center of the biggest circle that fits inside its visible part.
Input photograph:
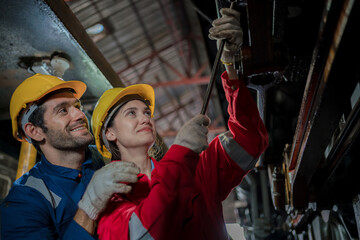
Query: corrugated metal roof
(154, 42)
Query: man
(43, 203)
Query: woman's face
(132, 126)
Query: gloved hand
(104, 183)
(227, 27)
(193, 134)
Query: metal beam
(212, 130)
(151, 56)
(185, 81)
(321, 112)
(78, 32)
(195, 79)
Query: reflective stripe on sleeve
(39, 185)
(137, 230)
(236, 152)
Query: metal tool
(214, 72)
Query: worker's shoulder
(98, 160)
(28, 176)
(26, 187)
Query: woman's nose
(145, 118)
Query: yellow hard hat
(107, 101)
(33, 89)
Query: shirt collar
(152, 164)
(65, 172)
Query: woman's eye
(132, 113)
(148, 113)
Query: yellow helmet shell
(33, 89)
(110, 98)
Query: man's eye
(80, 107)
(62, 110)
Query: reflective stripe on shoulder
(236, 152)
(40, 186)
(137, 230)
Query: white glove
(193, 134)
(227, 27)
(104, 183)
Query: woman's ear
(34, 132)
(110, 134)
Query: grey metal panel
(31, 28)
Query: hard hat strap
(110, 116)
(25, 119)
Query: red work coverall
(184, 201)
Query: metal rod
(212, 78)
(213, 73)
(202, 13)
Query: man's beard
(66, 142)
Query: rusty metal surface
(321, 111)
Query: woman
(199, 185)
(124, 129)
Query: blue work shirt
(42, 203)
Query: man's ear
(34, 132)
(110, 135)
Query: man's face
(67, 127)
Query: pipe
(253, 201)
(265, 194)
(27, 158)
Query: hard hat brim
(143, 90)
